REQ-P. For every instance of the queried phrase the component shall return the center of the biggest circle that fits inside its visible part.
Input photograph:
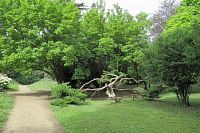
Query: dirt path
(31, 114)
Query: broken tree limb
(96, 79)
(109, 81)
(99, 89)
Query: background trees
(174, 53)
(39, 35)
(54, 37)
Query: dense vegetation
(76, 46)
(94, 49)
(54, 37)
(174, 57)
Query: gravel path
(31, 113)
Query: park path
(31, 113)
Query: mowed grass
(137, 116)
(44, 84)
(13, 86)
(6, 103)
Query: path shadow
(43, 94)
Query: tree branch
(89, 83)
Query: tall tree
(166, 10)
(40, 35)
(175, 53)
(186, 13)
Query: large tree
(53, 36)
(39, 35)
(174, 56)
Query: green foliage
(29, 78)
(62, 90)
(38, 34)
(175, 59)
(53, 36)
(58, 102)
(65, 94)
(186, 13)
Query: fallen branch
(96, 79)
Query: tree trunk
(63, 74)
(183, 95)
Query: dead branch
(99, 89)
(110, 85)
(96, 79)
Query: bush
(58, 102)
(155, 90)
(64, 94)
(26, 78)
(4, 81)
(62, 90)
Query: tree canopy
(55, 37)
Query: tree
(176, 60)
(186, 13)
(39, 35)
(114, 38)
(53, 36)
(166, 10)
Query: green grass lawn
(13, 86)
(44, 84)
(137, 116)
(6, 103)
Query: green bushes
(65, 94)
(26, 78)
(154, 91)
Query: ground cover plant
(129, 116)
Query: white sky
(133, 6)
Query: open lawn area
(129, 116)
(6, 103)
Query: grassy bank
(6, 103)
(44, 84)
(13, 86)
(137, 116)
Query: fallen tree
(109, 82)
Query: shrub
(154, 91)
(58, 102)
(64, 94)
(4, 81)
(26, 78)
(62, 90)
(30, 78)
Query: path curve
(31, 113)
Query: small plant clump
(64, 94)
(4, 81)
